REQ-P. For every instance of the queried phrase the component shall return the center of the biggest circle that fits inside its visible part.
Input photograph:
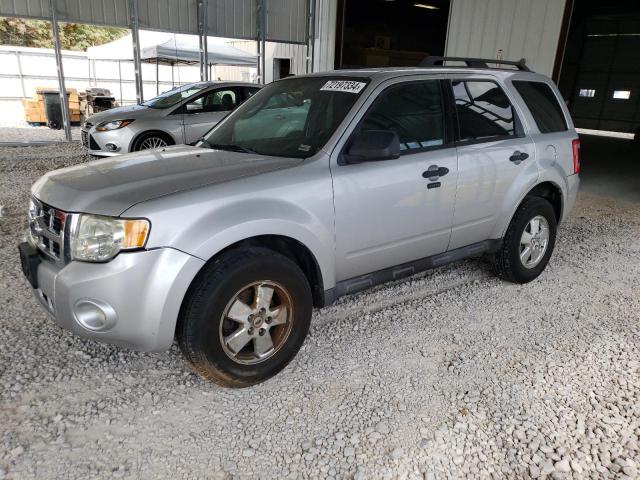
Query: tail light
(575, 147)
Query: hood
(111, 185)
(123, 113)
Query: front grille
(85, 138)
(48, 228)
(92, 144)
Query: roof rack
(473, 62)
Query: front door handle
(518, 157)
(434, 172)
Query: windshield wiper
(227, 146)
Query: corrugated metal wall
(325, 41)
(527, 29)
(233, 18)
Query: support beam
(64, 103)
(262, 40)
(135, 38)
(311, 43)
(203, 31)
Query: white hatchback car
(181, 115)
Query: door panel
(385, 212)
(486, 177)
(386, 215)
(495, 159)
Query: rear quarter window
(543, 105)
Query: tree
(37, 33)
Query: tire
(147, 140)
(507, 262)
(205, 324)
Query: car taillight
(575, 146)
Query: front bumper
(96, 142)
(139, 293)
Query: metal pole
(24, 91)
(263, 38)
(66, 119)
(157, 78)
(120, 79)
(135, 37)
(205, 35)
(312, 35)
(202, 38)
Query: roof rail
(473, 62)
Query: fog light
(94, 315)
(112, 147)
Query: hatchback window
(174, 96)
(484, 111)
(543, 105)
(214, 101)
(414, 111)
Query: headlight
(114, 125)
(96, 238)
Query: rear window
(484, 111)
(543, 105)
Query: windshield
(289, 118)
(174, 96)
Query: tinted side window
(414, 111)
(483, 110)
(543, 105)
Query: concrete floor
(610, 167)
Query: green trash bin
(53, 108)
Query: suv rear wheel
(528, 243)
(245, 317)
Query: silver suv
(318, 186)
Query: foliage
(37, 33)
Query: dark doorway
(600, 75)
(380, 33)
(281, 68)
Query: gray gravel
(35, 134)
(450, 374)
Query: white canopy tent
(171, 49)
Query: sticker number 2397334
(349, 86)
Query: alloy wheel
(534, 241)
(256, 322)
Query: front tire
(528, 244)
(151, 140)
(245, 317)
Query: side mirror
(194, 107)
(373, 145)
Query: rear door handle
(518, 157)
(434, 172)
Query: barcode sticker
(349, 86)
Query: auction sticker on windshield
(343, 86)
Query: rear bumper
(573, 184)
(138, 295)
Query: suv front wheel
(245, 317)
(528, 243)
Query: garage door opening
(380, 33)
(600, 76)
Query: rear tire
(525, 249)
(245, 317)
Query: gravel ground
(449, 374)
(35, 134)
